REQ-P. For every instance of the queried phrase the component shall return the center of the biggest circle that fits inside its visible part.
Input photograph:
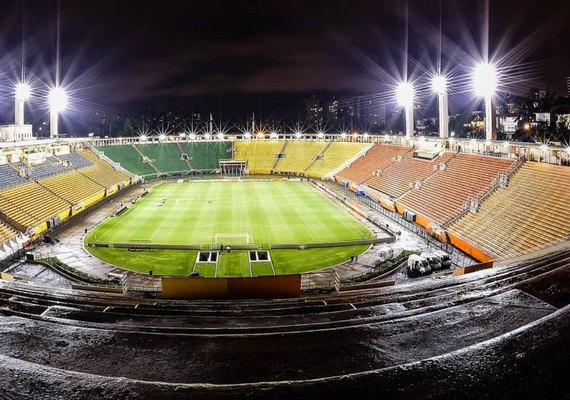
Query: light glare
(405, 94)
(485, 80)
(57, 99)
(439, 84)
(23, 91)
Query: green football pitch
(229, 213)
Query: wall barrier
(472, 268)
(467, 248)
(262, 287)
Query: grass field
(230, 213)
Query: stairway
(186, 160)
(282, 151)
(143, 156)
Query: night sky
(186, 55)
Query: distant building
(332, 111)
(313, 112)
(568, 86)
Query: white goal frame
(221, 238)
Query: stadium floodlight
(247, 135)
(485, 83)
(506, 144)
(544, 148)
(485, 80)
(439, 86)
(162, 137)
(273, 135)
(192, 136)
(320, 134)
(405, 94)
(366, 135)
(57, 99)
(22, 93)
(298, 134)
(526, 126)
(142, 138)
(405, 97)
(343, 135)
(220, 135)
(207, 136)
(567, 151)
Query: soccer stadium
(294, 262)
(188, 241)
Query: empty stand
(10, 177)
(129, 159)
(447, 192)
(376, 159)
(31, 204)
(260, 155)
(166, 157)
(51, 166)
(532, 212)
(205, 156)
(75, 160)
(398, 178)
(299, 156)
(102, 172)
(72, 186)
(334, 157)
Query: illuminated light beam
(439, 86)
(405, 97)
(57, 103)
(485, 84)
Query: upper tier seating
(102, 172)
(260, 155)
(395, 180)
(75, 160)
(447, 192)
(129, 158)
(72, 186)
(532, 212)
(165, 156)
(334, 157)
(377, 158)
(31, 204)
(299, 155)
(205, 156)
(10, 177)
(51, 166)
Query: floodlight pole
(53, 123)
(490, 128)
(409, 111)
(443, 115)
(19, 110)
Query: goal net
(232, 238)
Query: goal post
(232, 238)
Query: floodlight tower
(439, 86)
(57, 103)
(21, 95)
(485, 82)
(405, 97)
